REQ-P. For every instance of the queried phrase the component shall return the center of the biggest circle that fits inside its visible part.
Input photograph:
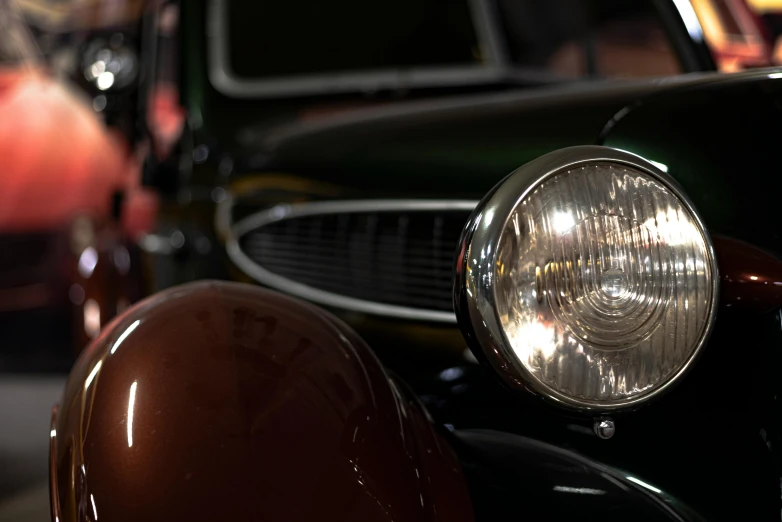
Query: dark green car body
(713, 442)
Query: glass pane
(595, 38)
(272, 39)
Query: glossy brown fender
(221, 401)
(750, 277)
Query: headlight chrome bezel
(474, 289)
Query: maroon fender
(222, 401)
(750, 277)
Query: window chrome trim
(234, 232)
(474, 293)
(224, 80)
(690, 19)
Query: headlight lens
(599, 280)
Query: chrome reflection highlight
(579, 491)
(595, 282)
(92, 374)
(125, 334)
(131, 405)
(690, 19)
(644, 484)
(662, 166)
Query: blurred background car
(70, 207)
(66, 226)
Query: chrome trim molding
(690, 19)
(225, 81)
(474, 297)
(282, 212)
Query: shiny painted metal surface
(462, 145)
(235, 231)
(714, 440)
(221, 401)
(474, 288)
(750, 277)
(558, 484)
(721, 142)
(688, 443)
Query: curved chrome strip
(286, 211)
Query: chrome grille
(392, 258)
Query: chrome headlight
(587, 277)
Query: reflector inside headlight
(592, 282)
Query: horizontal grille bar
(438, 271)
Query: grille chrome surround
(250, 244)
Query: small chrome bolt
(604, 428)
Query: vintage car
(490, 293)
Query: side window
(737, 37)
(633, 45)
(598, 38)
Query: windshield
(264, 47)
(298, 36)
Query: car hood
(457, 146)
(221, 401)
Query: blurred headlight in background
(109, 65)
(588, 278)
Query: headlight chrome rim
(474, 290)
